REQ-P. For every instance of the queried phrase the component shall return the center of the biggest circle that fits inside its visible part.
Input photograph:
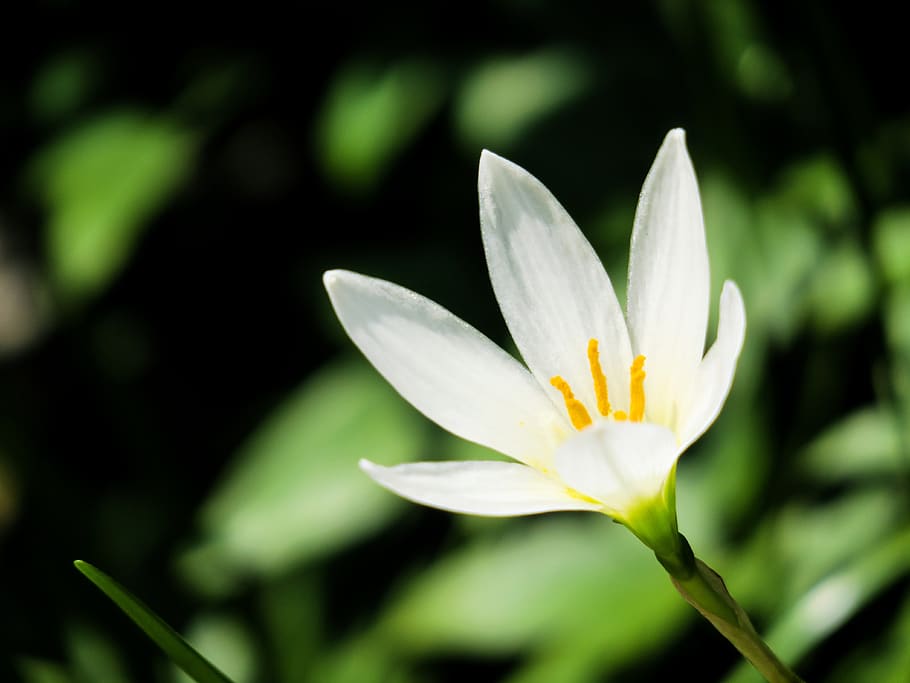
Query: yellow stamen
(637, 389)
(620, 416)
(578, 414)
(600, 380)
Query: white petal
(495, 489)
(448, 370)
(553, 291)
(715, 374)
(618, 463)
(669, 280)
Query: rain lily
(607, 403)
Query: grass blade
(173, 644)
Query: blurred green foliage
(501, 99)
(181, 408)
(370, 115)
(99, 184)
(296, 493)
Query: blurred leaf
(229, 645)
(558, 583)
(802, 535)
(792, 249)
(866, 443)
(842, 290)
(61, 85)
(891, 241)
(93, 656)
(819, 186)
(369, 117)
(736, 253)
(360, 661)
(577, 663)
(725, 471)
(215, 90)
(503, 97)
(750, 63)
(833, 601)
(730, 231)
(295, 491)
(292, 610)
(762, 74)
(154, 627)
(896, 314)
(897, 319)
(41, 671)
(100, 184)
(883, 660)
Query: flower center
(580, 416)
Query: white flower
(607, 403)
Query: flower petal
(495, 489)
(669, 280)
(715, 374)
(448, 370)
(553, 291)
(618, 463)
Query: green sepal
(653, 521)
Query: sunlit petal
(448, 370)
(669, 279)
(618, 463)
(715, 374)
(553, 291)
(495, 489)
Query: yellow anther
(578, 414)
(620, 416)
(637, 389)
(600, 380)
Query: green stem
(704, 589)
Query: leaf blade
(171, 642)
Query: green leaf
(791, 248)
(859, 519)
(361, 660)
(820, 187)
(174, 646)
(569, 582)
(293, 618)
(864, 444)
(100, 184)
(735, 39)
(369, 117)
(93, 655)
(727, 472)
(791, 549)
(33, 670)
(891, 243)
(833, 601)
(503, 97)
(62, 85)
(228, 641)
(896, 316)
(884, 659)
(295, 492)
(842, 290)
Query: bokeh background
(179, 406)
